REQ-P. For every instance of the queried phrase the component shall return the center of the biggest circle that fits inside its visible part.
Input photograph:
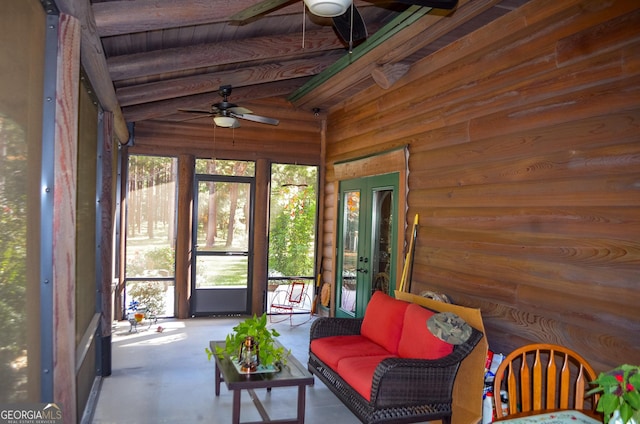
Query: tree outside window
(292, 220)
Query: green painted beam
(400, 22)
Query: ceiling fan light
(224, 121)
(328, 8)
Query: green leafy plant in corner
(270, 353)
(619, 391)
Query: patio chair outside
(288, 301)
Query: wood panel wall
(295, 140)
(524, 141)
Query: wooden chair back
(542, 377)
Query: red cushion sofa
(387, 367)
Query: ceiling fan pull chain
(214, 138)
(351, 32)
(304, 21)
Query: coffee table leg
(235, 415)
(302, 391)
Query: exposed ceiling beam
(95, 64)
(200, 56)
(198, 84)
(126, 16)
(386, 75)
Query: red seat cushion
(383, 320)
(358, 372)
(331, 350)
(416, 340)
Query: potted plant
(270, 353)
(620, 394)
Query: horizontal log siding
(524, 166)
(297, 142)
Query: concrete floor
(164, 377)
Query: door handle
(363, 270)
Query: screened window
(151, 222)
(292, 227)
(21, 98)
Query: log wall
(524, 167)
(295, 140)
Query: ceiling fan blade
(437, 4)
(193, 118)
(256, 118)
(342, 24)
(239, 110)
(196, 111)
(257, 9)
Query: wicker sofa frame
(403, 390)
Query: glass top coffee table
(291, 374)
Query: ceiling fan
(346, 18)
(225, 114)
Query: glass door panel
(381, 236)
(366, 258)
(349, 259)
(222, 231)
(221, 271)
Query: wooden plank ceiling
(165, 55)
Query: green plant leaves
(256, 327)
(619, 392)
(633, 399)
(626, 412)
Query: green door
(367, 234)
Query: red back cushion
(416, 340)
(383, 320)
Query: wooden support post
(186, 166)
(260, 236)
(65, 217)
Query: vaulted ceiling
(161, 56)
